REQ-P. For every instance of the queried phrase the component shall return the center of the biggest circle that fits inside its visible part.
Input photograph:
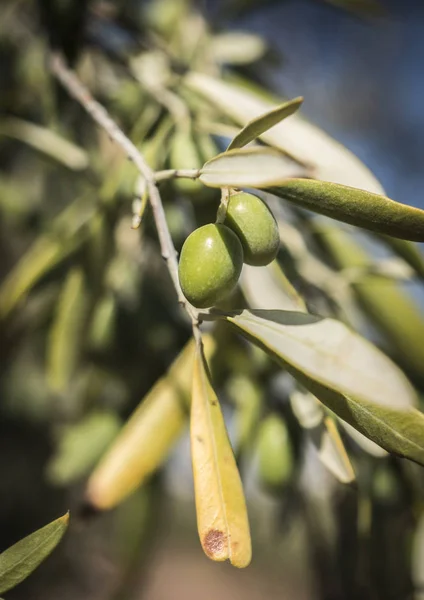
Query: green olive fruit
(210, 264)
(255, 225)
(274, 452)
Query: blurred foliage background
(89, 319)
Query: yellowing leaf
(148, 436)
(261, 124)
(248, 167)
(303, 141)
(355, 206)
(21, 559)
(221, 509)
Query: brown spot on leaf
(213, 542)
(199, 439)
(214, 402)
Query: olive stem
(172, 173)
(98, 113)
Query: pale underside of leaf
(400, 431)
(21, 559)
(303, 141)
(221, 509)
(330, 352)
(266, 121)
(248, 167)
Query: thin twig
(175, 173)
(80, 93)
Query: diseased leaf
(21, 559)
(148, 436)
(328, 351)
(66, 332)
(303, 141)
(47, 141)
(261, 124)
(354, 206)
(383, 415)
(248, 167)
(220, 505)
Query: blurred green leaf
(274, 452)
(237, 47)
(261, 124)
(66, 332)
(81, 445)
(47, 141)
(354, 206)
(184, 154)
(332, 452)
(21, 559)
(329, 352)
(248, 167)
(304, 142)
(409, 251)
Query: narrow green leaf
(21, 559)
(328, 351)
(47, 141)
(66, 333)
(261, 124)
(354, 206)
(274, 452)
(307, 144)
(248, 167)
(237, 47)
(220, 505)
(384, 415)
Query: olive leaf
(222, 519)
(248, 167)
(21, 559)
(148, 436)
(409, 251)
(66, 332)
(274, 453)
(323, 434)
(324, 356)
(354, 206)
(268, 287)
(304, 142)
(47, 141)
(257, 126)
(237, 47)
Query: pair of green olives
(212, 256)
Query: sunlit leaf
(329, 352)
(254, 167)
(21, 559)
(66, 333)
(269, 288)
(47, 141)
(148, 436)
(382, 411)
(363, 442)
(355, 206)
(220, 505)
(261, 124)
(81, 445)
(237, 47)
(303, 141)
